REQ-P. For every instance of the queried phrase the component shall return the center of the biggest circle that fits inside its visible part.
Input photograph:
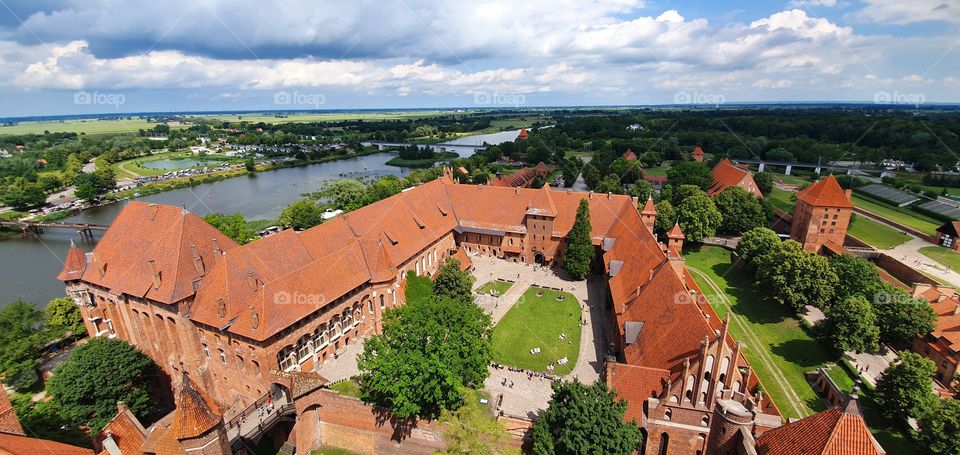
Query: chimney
(216, 247)
(252, 280)
(155, 273)
(197, 261)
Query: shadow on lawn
(804, 352)
(747, 301)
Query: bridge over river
(35, 228)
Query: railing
(259, 416)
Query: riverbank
(425, 162)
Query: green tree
(689, 173)
(856, 276)
(699, 217)
(471, 430)
(233, 226)
(580, 251)
(347, 194)
(642, 190)
(63, 316)
(583, 419)
(98, 374)
(610, 184)
(453, 283)
(681, 192)
(666, 217)
(756, 242)
(303, 214)
(741, 211)
(899, 316)
(850, 325)
(72, 169)
(22, 195)
(794, 277)
(249, 165)
(591, 175)
(383, 188)
(428, 352)
(764, 181)
(905, 388)
(939, 428)
(21, 339)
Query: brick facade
(821, 215)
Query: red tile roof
(832, 432)
(522, 178)
(825, 193)
(196, 412)
(13, 444)
(465, 262)
(125, 430)
(9, 423)
(629, 155)
(697, 152)
(648, 208)
(74, 264)
(523, 133)
(635, 384)
(676, 232)
(726, 175)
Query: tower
(649, 214)
(822, 215)
(726, 435)
(198, 422)
(675, 238)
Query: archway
(539, 258)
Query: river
(29, 267)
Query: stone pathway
(525, 399)
(344, 366)
(870, 365)
(909, 254)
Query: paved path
(345, 365)
(870, 365)
(909, 254)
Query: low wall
(901, 271)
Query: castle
(238, 321)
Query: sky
(112, 56)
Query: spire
(196, 412)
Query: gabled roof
(726, 175)
(125, 430)
(13, 444)
(697, 152)
(635, 384)
(835, 431)
(825, 193)
(676, 232)
(648, 207)
(74, 264)
(952, 228)
(9, 423)
(629, 155)
(196, 412)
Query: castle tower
(675, 238)
(729, 419)
(822, 215)
(198, 422)
(649, 214)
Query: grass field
(900, 215)
(790, 179)
(942, 255)
(537, 322)
(133, 168)
(499, 286)
(87, 126)
(781, 200)
(348, 388)
(874, 233)
(777, 346)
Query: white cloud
(908, 12)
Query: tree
(21, 337)
(856, 275)
(699, 217)
(347, 194)
(63, 316)
(22, 195)
(430, 349)
(666, 217)
(383, 188)
(233, 226)
(794, 277)
(756, 242)
(610, 184)
(470, 430)
(453, 283)
(905, 388)
(689, 173)
(642, 190)
(899, 316)
(591, 175)
(741, 211)
(939, 428)
(249, 165)
(97, 375)
(583, 419)
(850, 325)
(764, 181)
(303, 214)
(580, 250)
(681, 192)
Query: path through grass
(942, 255)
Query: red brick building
(942, 346)
(725, 174)
(697, 154)
(948, 235)
(821, 215)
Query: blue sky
(96, 56)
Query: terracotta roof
(947, 326)
(676, 232)
(826, 192)
(725, 175)
(74, 264)
(629, 155)
(523, 133)
(635, 384)
(196, 412)
(832, 432)
(125, 430)
(155, 251)
(465, 262)
(648, 207)
(302, 383)
(160, 440)
(14, 444)
(522, 178)
(697, 152)
(9, 423)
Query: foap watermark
(296, 98)
(698, 98)
(895, 298)
(499, 99)
(685, 298)
(99, 98)
(298, 298)
(895, 97)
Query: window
(223, 356)
(370, 304)
(240, 363)
(206, 351)
(256, 366)
(382, 305)
(285, 358)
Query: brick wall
(901, 271)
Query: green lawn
(781, 200)
(942, 255)
(88, 126)
(900, 215)
(537, 322)
(790, 179)
(777, 346)
(875, 234)
(348, 388)
(500, 286)
(133, 168)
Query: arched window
(705, 421)
(256, 366)
(320, 337)
(668, 414)
(285, 358)
(664, 442)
